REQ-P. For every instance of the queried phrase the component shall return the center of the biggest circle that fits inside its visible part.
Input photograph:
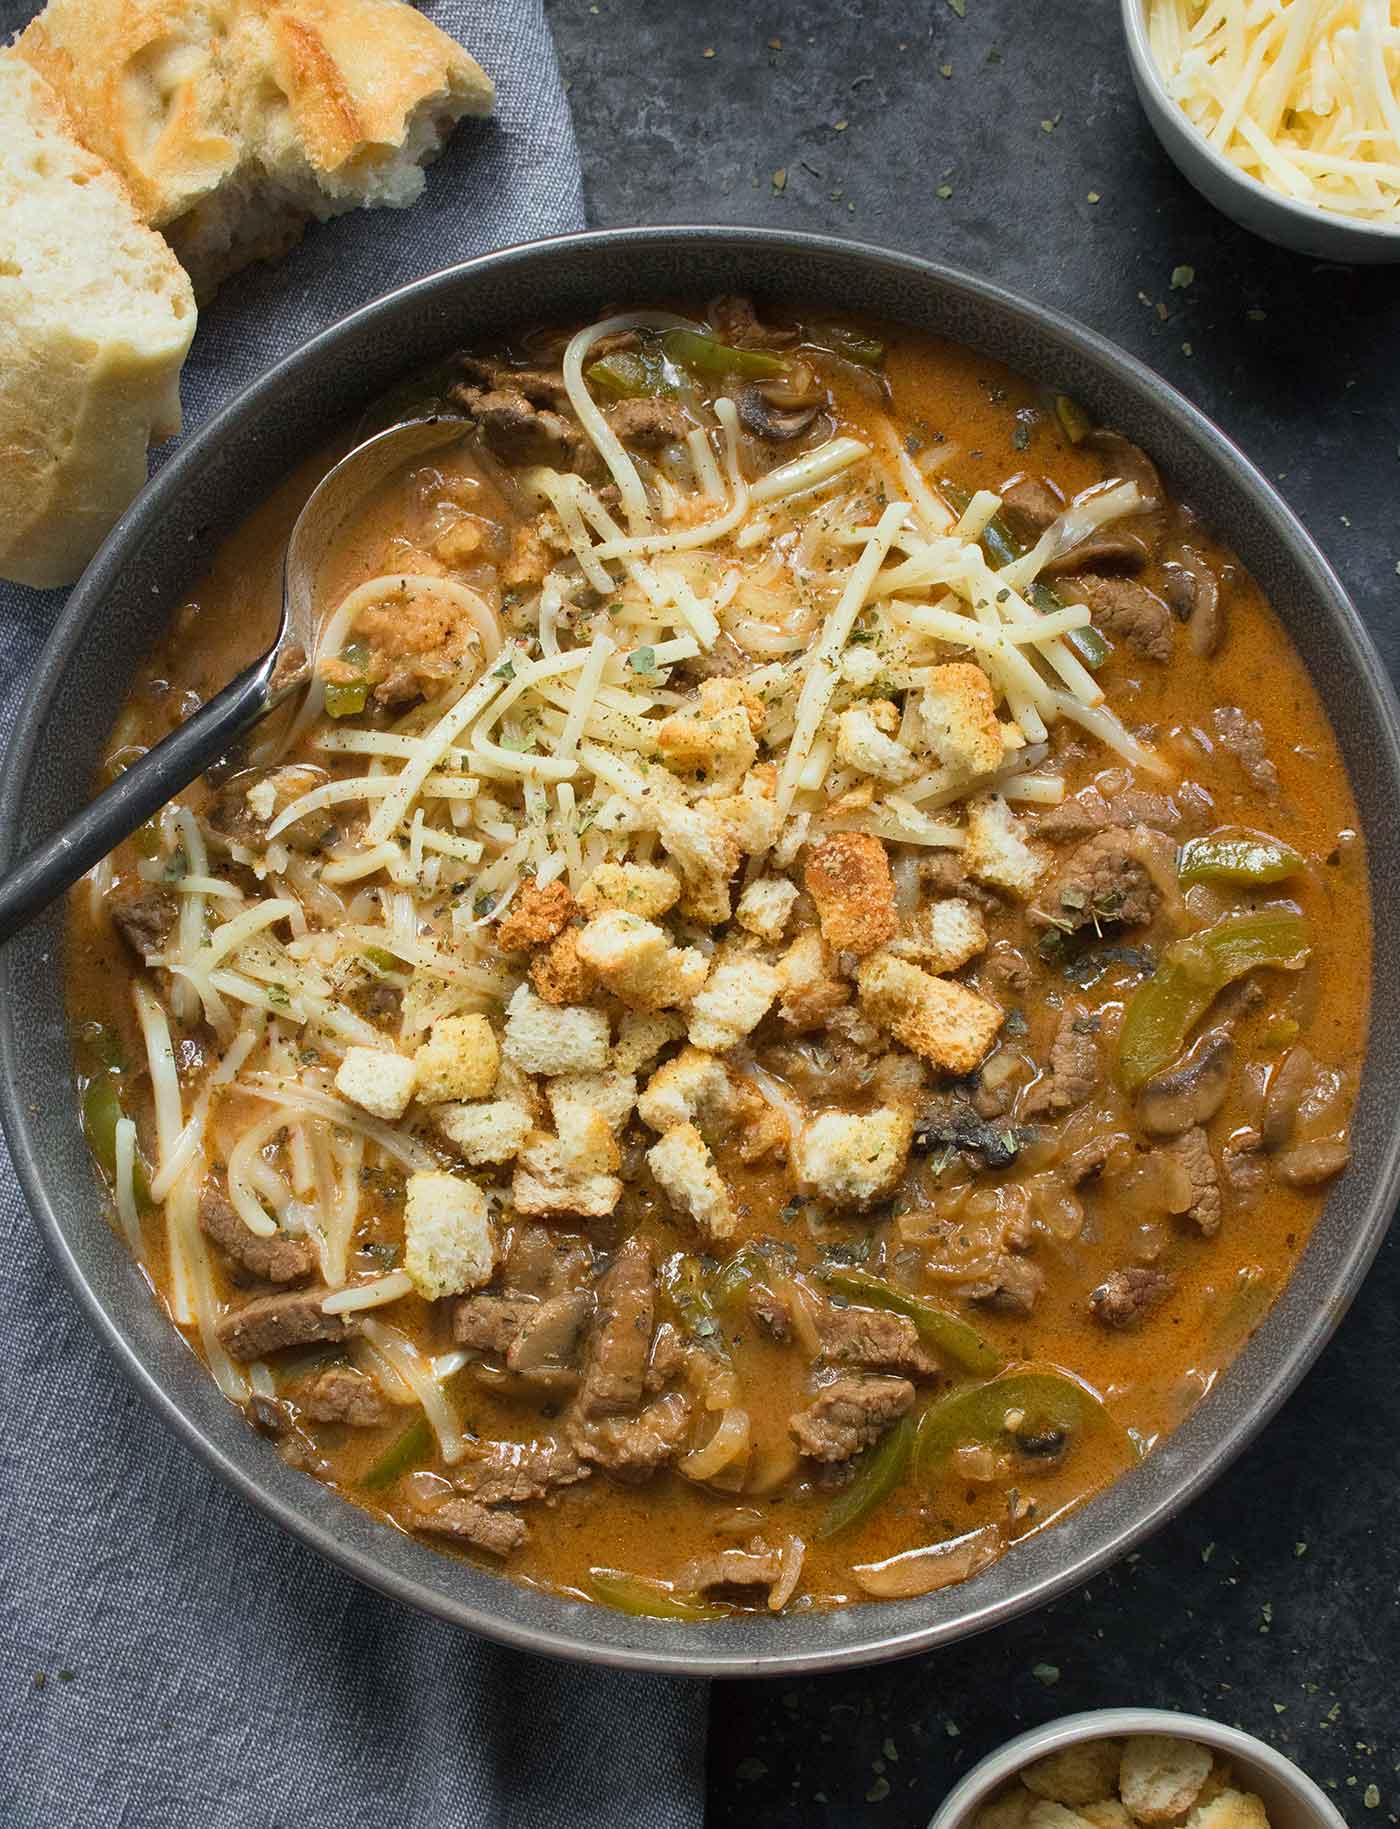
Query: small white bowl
(1254, 206)
(1291, 1798)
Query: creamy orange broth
(1149, 1377)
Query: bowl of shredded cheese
(1285, 114)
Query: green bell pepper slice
(102, 1108)
(882, 1468)
(1192, 973)
(946, 1333)
(403, 1454)
(1045, 1402)
(643, 1598)
(1075, 423)
(707, 356)
(854, 345)
(1238, 857)
(346, 698)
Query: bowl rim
(1005, 1761)
(863, 1634)
(1134, 16)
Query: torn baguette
(235, 122)
(95, 320)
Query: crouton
(861, 744)
(1076, 1774)
(997, 852)
(738, 994)
(612, 1094)
(489, 1132)
(558, 974)
(765, 905)
(636, 961)
(449, 1241)
(551, 1178)
(536, 916)
(959, 712)
(1045, 1814)
(1009, 1810)
(542, 1039)
(1105, 1813)
(648, 890)
(950, 1026)
(848, 877)
(1161, 1776)
(750, 817)
(942, 936)
(378, 1081)
(811, 990)
(762, 1130)
(1230, 1810)
(692, 1085)
(851, 1158)
(584, 1145)
(459, 1060)
(707, 853)
(715, 742)
(686, 1174)
(641, 1035)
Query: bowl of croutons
(1136, 1768)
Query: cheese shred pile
(1303, 95)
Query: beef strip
(754, 1566)
(279, 1259)
(631, 1448)
(519, 431)
(1125, 462)
(146, 921)
(1011, 1286)
(649, 422)
(1104, 881)
(1244, 738)
(1074, 1070)
(1084, 1163)
(876, 1341)
(1088, 812)
(496, 1532)
(491, 1324)
(1005, 972)
(737, 323)
(1192, 1150)
(284, 1318)
(341, 1394)
(1126, 609)
(1029, 507)
(513, 1473)
(619, 1339)
(943, 875)
(540, 386)
(1129, 1295)
(1242, 1165)
(771, 1313)
(849, 1414)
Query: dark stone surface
(1273, 1602)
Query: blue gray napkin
(169, 1659)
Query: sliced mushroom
(1127, 463)
(1306, 1164)
(1193, 591)
(1107, 550)
(1192, 1093)
(774, 415)
(546, 1342)
(1287, 1084)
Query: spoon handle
(141, 790)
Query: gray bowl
(1289, 223)
(150, 561)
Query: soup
(791, 998)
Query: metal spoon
(215, 729)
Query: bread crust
(95, 320)
(234, 122)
